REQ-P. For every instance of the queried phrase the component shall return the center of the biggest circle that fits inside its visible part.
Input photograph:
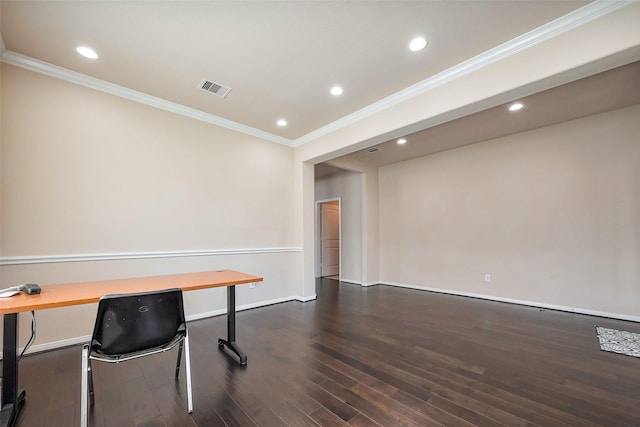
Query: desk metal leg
(230, 342)
(12, 401)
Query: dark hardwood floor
(377, 356)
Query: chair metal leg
(187, 362)
(84, 391)
(90, 374)
(179, 357)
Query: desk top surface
(67, 294)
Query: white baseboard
(38, 348)
(577, 310)
(84, 339)
(355, 282)
(57, 344)
(222, 311)
(358, 282)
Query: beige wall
(87, 173)
(552, 214)
(557, 60)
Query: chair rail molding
(47, 259)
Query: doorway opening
(328, 239)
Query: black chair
(129, 326)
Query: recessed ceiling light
(417, 44)
(87, 52)
(401, 141)
(281, 123)
(515, 107)
(336, 91)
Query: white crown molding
(140, 255)
(552, 29)
(70, 76)
(519, 302)
(565, 23)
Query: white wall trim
(577, 310)
(358, 282)
(306, 299)
(83, 339)
(70, 76)
(86, 338)
(242, 307)
(545, 32)
(47, 259)
(565, 23)
(56, 344)
(355, 282)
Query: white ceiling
(606, 91)
(279, 57)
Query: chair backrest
(128, 323)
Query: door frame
(318, 257)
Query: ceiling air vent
(214, 88)
(373, 150)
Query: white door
(330, 238)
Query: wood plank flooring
(377, 356)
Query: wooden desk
(68, 294)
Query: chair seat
(97, 354)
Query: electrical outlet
(252, 285)
(487, 277)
